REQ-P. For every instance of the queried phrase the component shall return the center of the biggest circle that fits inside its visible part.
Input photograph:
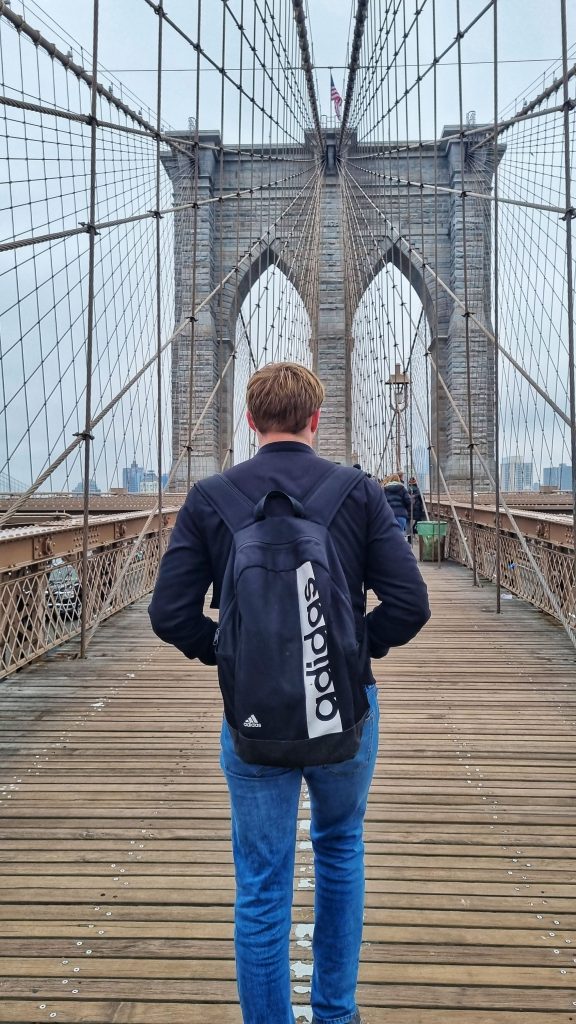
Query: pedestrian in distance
(398, 499)
(290, 543)
(417, 513)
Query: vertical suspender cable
(436, 441)
(221, 271)
(191, 374)
(160, 13)
(423, 243)
(569, 215)
(87, 436)
(471, 444)
(252, 439)
(229, 454)
(406, 189)
(496, 327)
(428, 431)
(390, 321)
(266, 133)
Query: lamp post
(398, 382)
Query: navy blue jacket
(371, 548)
(417, 503)
(398, 498)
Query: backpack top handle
(260, 508)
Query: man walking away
(284, 401)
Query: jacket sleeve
(407, 499)
(176, 610)
(393, 574)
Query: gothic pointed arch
(268, 322)
(391, 335)
(268, 255)
(421, 280)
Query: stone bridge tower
(407, 239)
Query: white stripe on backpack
(322, 713)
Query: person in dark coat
(398, 499)
(417, 503)
(284, 402)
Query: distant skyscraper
(149, 482)
(550, 476)
(421, 466)
(132, 477)
(559, 477)
(516, 474)
(421, 460)
(93, 487)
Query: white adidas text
(252, 723)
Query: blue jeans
(401, 520)
(264, 803)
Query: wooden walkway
(117, 887)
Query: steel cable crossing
(100, 197)
(512, 183)
(80, 327)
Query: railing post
(435, 443)
(160, 13)
(568, 217)
(496, 331)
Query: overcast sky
(529, 40)
(529, 45)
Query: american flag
(335, 97)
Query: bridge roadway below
(117, 894)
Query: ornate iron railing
(41, 579)
(539, 568)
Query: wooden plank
(78, 1011)
(115, 831)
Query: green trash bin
(430, 535)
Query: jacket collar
(285, 446)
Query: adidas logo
(252, 723)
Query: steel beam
(27, 545)
(553, 529)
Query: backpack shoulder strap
(324, 501)
(232, 506)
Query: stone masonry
(238, 239)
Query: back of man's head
(282, 397)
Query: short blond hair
(282, 397)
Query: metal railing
(538, 569)
(42, 579)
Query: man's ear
(251, 423)
(314, 421)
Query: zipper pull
(215, 640)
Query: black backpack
(288, 655)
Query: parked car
(64, 593)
